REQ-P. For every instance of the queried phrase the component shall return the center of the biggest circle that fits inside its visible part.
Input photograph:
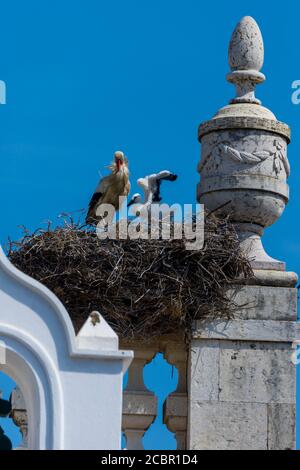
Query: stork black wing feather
(94, 199)
(91, 216)
(156, 194)
(171, 177)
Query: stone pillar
(241, 379)
(139, 404)
(19, 416)
(175, 406)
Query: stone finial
(246, 57)
(244, 166)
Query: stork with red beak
(110, 188)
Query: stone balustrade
(140, 405)
(175, 406)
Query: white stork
(151, 188)
(110, 188)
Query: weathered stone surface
(139, 403)
(281, 426)
(244, 117)
(224, 426)
(203, 370)
(248, 330)
(241, 167)
(246, 48)
(246, 57)
(256, 372)
(241, 380)
(176, 406)
(265, 277)
(175, 417)
(244, 166)
(139, 412)
(19, 416)
(227, 379)
(265, 303)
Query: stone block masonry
(241, 378)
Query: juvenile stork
(151, 188)
(110, 188)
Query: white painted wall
(72, 386)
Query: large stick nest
(143, 288)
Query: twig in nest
(143, 288)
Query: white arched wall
(65, 379)
(41, 388)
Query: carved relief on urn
(244, 166)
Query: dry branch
(143, 288)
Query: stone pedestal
(242, 378)
(139, 403)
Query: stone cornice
(244, 122)
(248, 330)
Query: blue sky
(85, 78)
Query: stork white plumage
(151, 188)
(110, 188)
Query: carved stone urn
(244, 166)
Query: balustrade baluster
(175, 406)
(139, 404)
